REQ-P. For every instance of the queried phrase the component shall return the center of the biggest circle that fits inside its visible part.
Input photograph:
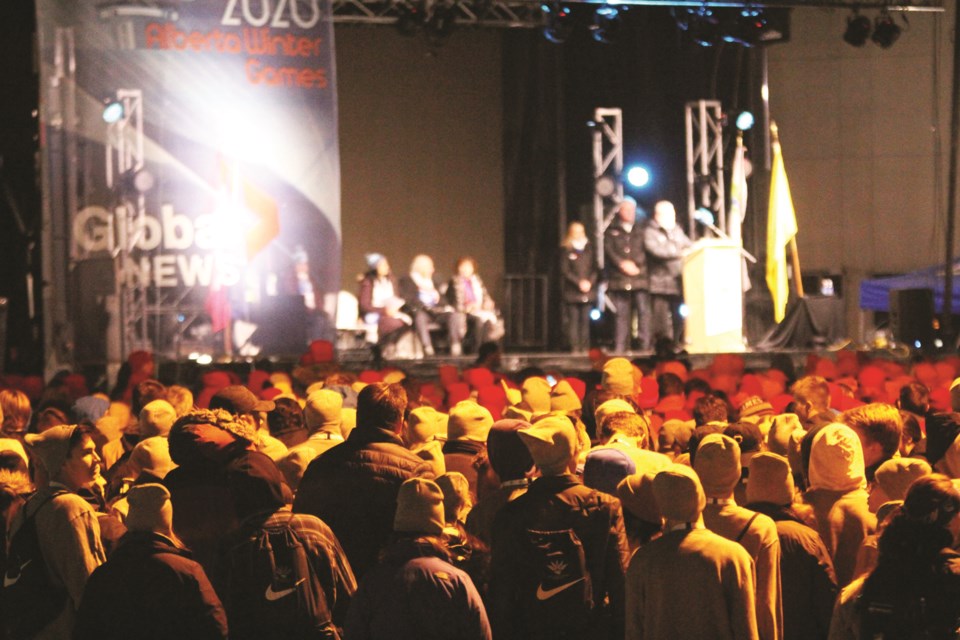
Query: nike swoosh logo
(9, 582)
(276, 595)
(546, 594)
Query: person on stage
(578, 271)
(627, 282)
(471, 302)
(421, 290)
(665, 244)
(379, 301)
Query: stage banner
(191, 176)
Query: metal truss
(705, 188)
(527, 14)
(607, 170)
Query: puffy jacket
(149, 588)
(664, 249)
(619, 245)
(353, 488)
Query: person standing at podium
(627, 283)
(665, 244)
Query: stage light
(858, 30)
(441, 23)
(606, 186)
(745, 121)
(638, 177)
(700, 24)
(557, 24)
(885, 30)
(409, 19)
(113, 111)
(204, 359)
(595, 314)
(704, 216)
(746, 28)
(606, 24)
(683, 310)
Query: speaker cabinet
(911, 316)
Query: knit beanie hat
(676, 433)
(513, 395)
(52, 446)
(322, 411)
(617, 377)
(770, 480)
(90, 408)
(897, 474)
(610, 407)
(552, 443)
(605, 467)
(152, 455)
(535, 392)
(432, 452)
(423, 425)
(150, 509)
(516, 413)
(508, 456)
(636, 495)
(157, 418)
(563, 398)
(456, 496)
(469, 421)
(678, 493)
(419, 507)
(718, 464)
(836, 459)
(348, 421)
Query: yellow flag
(781, 228)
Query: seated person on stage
(380, 303)
(421, 292)
(471, 301)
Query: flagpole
(794, 252)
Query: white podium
(713, 294)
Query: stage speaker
(911, 316)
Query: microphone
(705, 217)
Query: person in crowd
(838, 496)
(250, 410)
(16, 412)
(286, 422)
(353, 486)
(808, 582)
(880, 430)
(150, 587)
(415, 591)
(422, 293)
(467, 430)
(323, 582)
(627, 283)
(380, 302)
(717, 463)
(623, 433)
(665, 243)
(642, 519)
(509, 461)
(64, 530)
(473, 305)
(578, 274)
(691, 582)
(914, 592)
(522, 596)
(323, 416)
(811, 403)
(181, 398)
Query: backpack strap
(747, 527)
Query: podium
(712, 291)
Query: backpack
(558, 593)
(30, 599)
(273, 590)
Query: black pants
(422, 320)
(623, 303)
(667, 322)
(576, 315)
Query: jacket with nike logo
(559, 502)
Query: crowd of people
(642, 275)
(639, 499)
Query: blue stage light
(595, 314)
(638, 177)
(112, 112)
(745, 121)
(683, 310)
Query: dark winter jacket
(574, 267)
(619, 245)
(554, 503)
(461, 456)
(149, 588)
(664, 249)
(417, 594)
(353, 488)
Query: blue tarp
(875, 294)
